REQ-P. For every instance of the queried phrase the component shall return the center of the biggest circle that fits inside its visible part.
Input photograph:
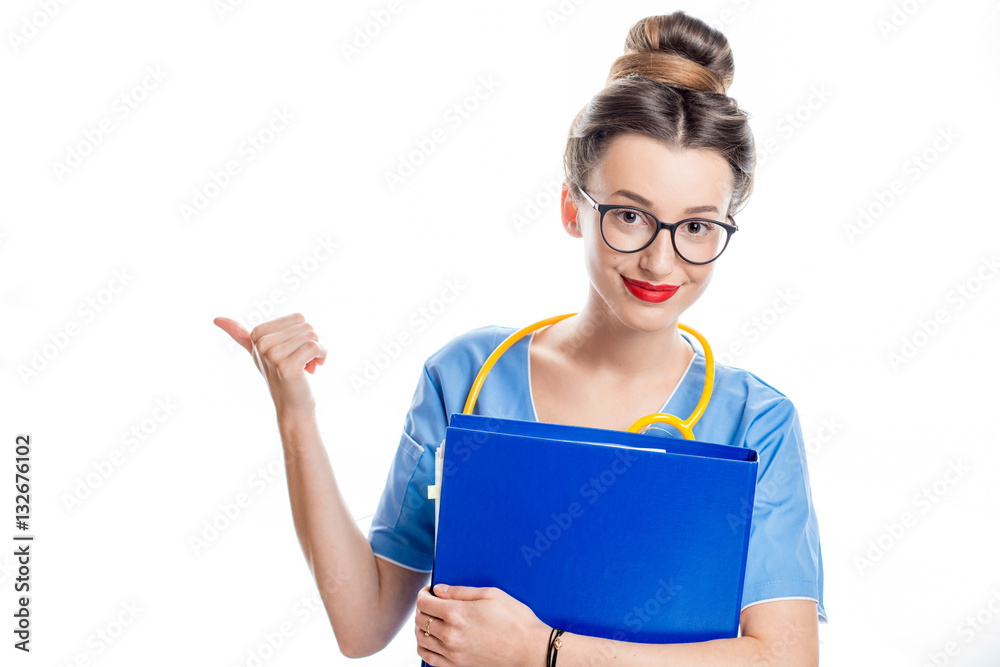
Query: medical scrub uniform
(784, 560)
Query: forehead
(671, 179)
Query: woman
(661, 142)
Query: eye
(697, 228)
(629, 218)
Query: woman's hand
(484, 627)
(283, 350)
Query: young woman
(656, 164)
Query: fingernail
(441, 588)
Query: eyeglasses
(631, 229)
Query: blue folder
(605, 533)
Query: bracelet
(555, 643)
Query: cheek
(604, 266)
(702, 278)
(600, 256)
(602, 263)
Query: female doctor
(656, 164)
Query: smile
(648, 291)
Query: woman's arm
(367, 598)
(486, 626)
(782, 632)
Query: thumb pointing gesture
(236, 330)
(283, 349)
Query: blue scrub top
(784, 560)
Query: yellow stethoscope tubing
(684, 426)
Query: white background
(843, 98)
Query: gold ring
(427, 627)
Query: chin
(652, 317)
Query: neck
(597, 338)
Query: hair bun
(678, 50)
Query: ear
(569, 213)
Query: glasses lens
(700, 240)
(627, 229)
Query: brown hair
(669, 85)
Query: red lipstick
(648, 291)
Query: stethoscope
(682, 425)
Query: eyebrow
(642, 201)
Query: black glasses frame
(604, 208)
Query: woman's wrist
(289, 415)
(537, 653)
(295, 424)
(555, 643)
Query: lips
(651, 286)
(648, 291)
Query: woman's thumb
(236, 330)
(458, 592)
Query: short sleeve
(402, 529)
(784, 559)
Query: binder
(605, 533)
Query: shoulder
(465, 353)
(753, 407)
(758, 394)
(451, 370)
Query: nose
(659, 257)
